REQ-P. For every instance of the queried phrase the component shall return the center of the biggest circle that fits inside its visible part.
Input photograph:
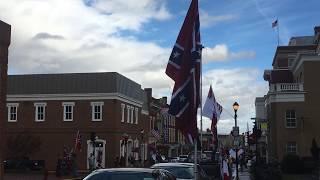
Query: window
(123, 106)
(291, 119)
(68, 111)
(128, 114)
(12, 112)
(137, 114)
(150, 122)
(291, 147)
(40, 111)
(131, 110)
(96, 111)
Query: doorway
(99, 151)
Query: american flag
(275, 23)
(77, 145)
(212, 109)
(155, 134)
(184, 68)
(166, 118)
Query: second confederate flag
(212, 109)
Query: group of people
(67, 164)
(228, 163)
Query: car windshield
(179, 172)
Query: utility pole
(5, 37)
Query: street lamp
(142, 147)
(125, 137)
(236, 134)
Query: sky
(135, 38)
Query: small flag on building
(275, 23)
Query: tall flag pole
(276, 24)
(184, 69)
(212, 109)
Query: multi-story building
(292, 102)
(261, 129)
(171, 140)
(46, 111)
(5, 39)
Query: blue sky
(135, 39)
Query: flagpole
(201, 103)
(195, 159)
(278, 31)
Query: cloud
(235, 84)
(130, 12)
(44, 35)
(221, 52)
(209, 20)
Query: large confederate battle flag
(184, 68)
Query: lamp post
(236, 134)
(142, 147)
(125, 137)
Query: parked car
(182, 170)
(130, 174)
(174, 159)
(183, 158)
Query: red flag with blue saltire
(184, 68)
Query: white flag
(211, 109)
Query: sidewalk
(243, 175)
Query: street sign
(236, 141)
(235, 131)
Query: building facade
(5, 39)
(292, 102)
(46, 111)
(170, 142)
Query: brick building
(172, 141)
(5, 38)
(49, 109)
(292, 102)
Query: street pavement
(245, 175)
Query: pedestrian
(74, 167)
(122, 161)
(59, 166)
(91, 160)
(116, 162)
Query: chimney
(164, 100)
(149, 92)
(317, 34)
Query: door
(99, 153)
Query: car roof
(147, 170)
(173, 165)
